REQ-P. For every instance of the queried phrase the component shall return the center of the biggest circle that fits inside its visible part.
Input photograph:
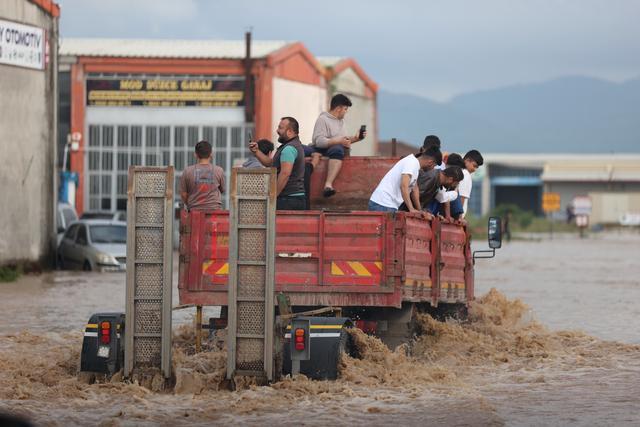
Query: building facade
(28, 120)
(147, 102)
(521, 179)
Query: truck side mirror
(495, 239)
(495, 232)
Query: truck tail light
(299, 339)
(105, 332)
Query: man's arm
(447, 210)
(182, 189)
(321, 139)
(283, 177)
(339, 140)
(262, 158)
(355, 138)
(223, 184)
(404, 190)
(415, 197)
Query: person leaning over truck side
(434, 157)
(431, 141)
(202, 185)
(399, 185)
(472, 161)
(289, 162)
(431, 185)
(447, 201)
(329, 139)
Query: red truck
(373, 270)
(377, 268)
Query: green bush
(9, 273)
(520, 219)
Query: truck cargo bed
(340, 259)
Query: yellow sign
(550, 202)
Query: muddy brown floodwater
(553, 339)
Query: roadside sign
(582, 205)
(582, 220)
(550, 202)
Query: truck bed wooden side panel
(321, 258)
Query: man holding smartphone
(289, 162)
(330, 139)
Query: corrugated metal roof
(592, 171)
(156, 48)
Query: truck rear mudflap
(328, 340)
(103, 344)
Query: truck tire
(86, 266)
(345, 346)
(59, 262)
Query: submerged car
(98, 245)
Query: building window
(112, 149)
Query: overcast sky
(436, 49)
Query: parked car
(65, 215)
(113, 216)
(94, 244)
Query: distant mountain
(570, 114)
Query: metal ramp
(251, 272)
(149, 270)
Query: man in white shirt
(399, 184)
(472, 161)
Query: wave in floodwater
(489, 370)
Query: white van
(65, 215)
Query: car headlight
(105, 259)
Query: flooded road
(556, 343)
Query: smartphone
(363, 129)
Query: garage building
(28, 42)
(147, 102)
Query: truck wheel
(346, 344)
(86, 266)
(60, 262)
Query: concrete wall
(27, 144)
(608, 208)
(302, 101)
(363, 111)
(568, 190)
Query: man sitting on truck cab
(330, 139)
(399, 184)
(289, 162)
(202, 185)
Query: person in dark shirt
(266, 147)
(430, 183)
(289, 162)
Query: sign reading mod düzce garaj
(166, 92)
